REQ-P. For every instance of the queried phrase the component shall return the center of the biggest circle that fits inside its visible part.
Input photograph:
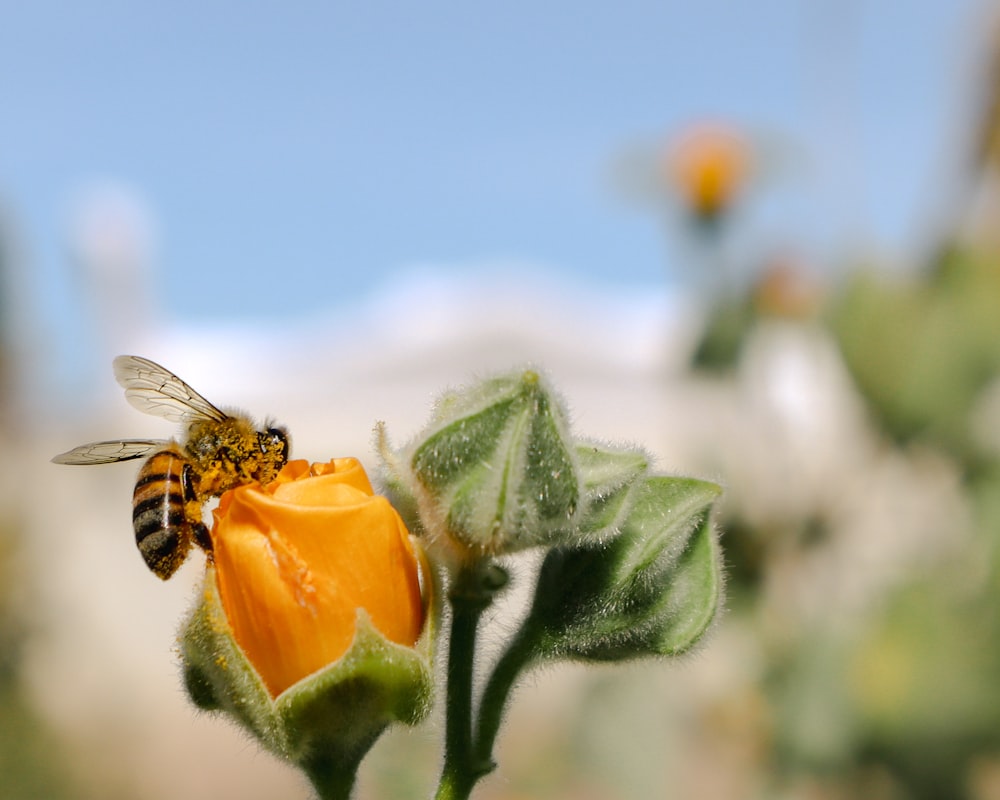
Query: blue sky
(293, 157)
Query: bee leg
(201, 537)
(192, 510)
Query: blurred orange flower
(708, 166)
(297, 558)
(786, 290)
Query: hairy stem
(333, 779)
(507, 670)
(471, 593)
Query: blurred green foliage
(922, 350)
(923, 353)
(31, 762)
(904, 703)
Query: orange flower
(297, 558)
(708, 166)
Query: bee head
(274, 444)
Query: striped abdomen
(166, 513)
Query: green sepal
(392, 483)
(607, 475)
(652, 590)
(328, 720)
(495, 472)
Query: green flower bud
(495, 471)
(607, 475)
(651, 590)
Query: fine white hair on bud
(496, 470)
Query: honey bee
(218, 452)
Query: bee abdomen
(163, 531)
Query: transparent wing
(154, 390)
(109, 452)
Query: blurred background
(760, 239)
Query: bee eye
(275, 440)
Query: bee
(219, 451)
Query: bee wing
(109, 452)
(154, 390)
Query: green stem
(333, 779)
(470, 595)
(519, 653)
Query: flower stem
(333, 779)
(471, 593)
(519, 653)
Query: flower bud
(607, 475)
(495, 471)
(653, 589)
(309, 629)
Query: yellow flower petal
(297, 558)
